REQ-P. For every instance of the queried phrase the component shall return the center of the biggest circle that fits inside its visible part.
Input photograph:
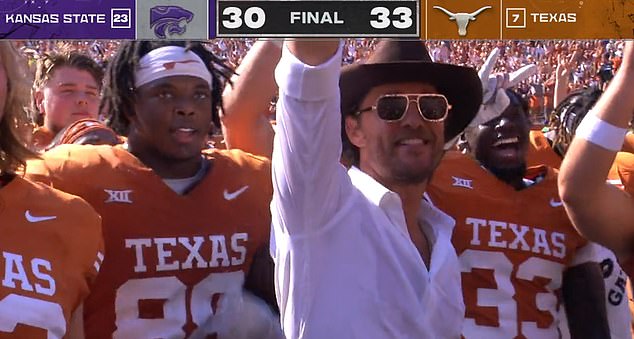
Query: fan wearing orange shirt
(51, 244)
(182, 226)
(516, 246)
(563, 124)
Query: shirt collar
(371, 189)
(382, 197)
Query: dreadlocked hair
(117, 101)
(568, 115)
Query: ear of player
(318, 18)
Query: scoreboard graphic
(318, 18)
(425, 19)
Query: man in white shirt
(358, 253)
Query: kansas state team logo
(168, 20)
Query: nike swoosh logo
(32, 218)
(235, 194)
(554, 203)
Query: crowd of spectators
(584, 63)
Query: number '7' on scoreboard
(351, 18)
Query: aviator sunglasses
(392, 107)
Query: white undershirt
(180, 186)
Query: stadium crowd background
(587, 63)
(575, 64)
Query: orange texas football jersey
(623, 170)
(513, 247)
(172, 258)
(540, 152)
(41, 138)
(52, 248)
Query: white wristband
(601, 133)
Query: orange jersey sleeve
(513, 247)
(540, 152)
(52, 248)
(172, 258)
(624, 166)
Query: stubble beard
(407, 176)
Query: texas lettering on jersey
(44, 273)
(513, 247)
(173, 260)
(224, 252)
(490, 234)
(179, 282)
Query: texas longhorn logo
(168, 19)
(462, 19)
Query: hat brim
(461, 85)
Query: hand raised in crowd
(562, 76)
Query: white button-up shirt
(345, 264)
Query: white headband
(169, 61)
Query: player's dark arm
(583, 292)
(260, 280)
(245, 121)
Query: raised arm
(562, 78)
(313, 53)
(307, 175)
(600, 211)
(245, 121)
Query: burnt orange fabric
(51, 246)
(510, 243)
(622, 172)
(540, 152)
(80, 128)
(169, 255)
(41, 138)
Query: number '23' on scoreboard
(351, 18)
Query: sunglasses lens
(391, 107)
(432, 107)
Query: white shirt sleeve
(309, 182)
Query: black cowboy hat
(395, 61)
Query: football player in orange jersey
(564, 121)
(182, 225)
(515, 243)
(51, 244)
(601, 212)
(66, 88)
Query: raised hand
(313, 52)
